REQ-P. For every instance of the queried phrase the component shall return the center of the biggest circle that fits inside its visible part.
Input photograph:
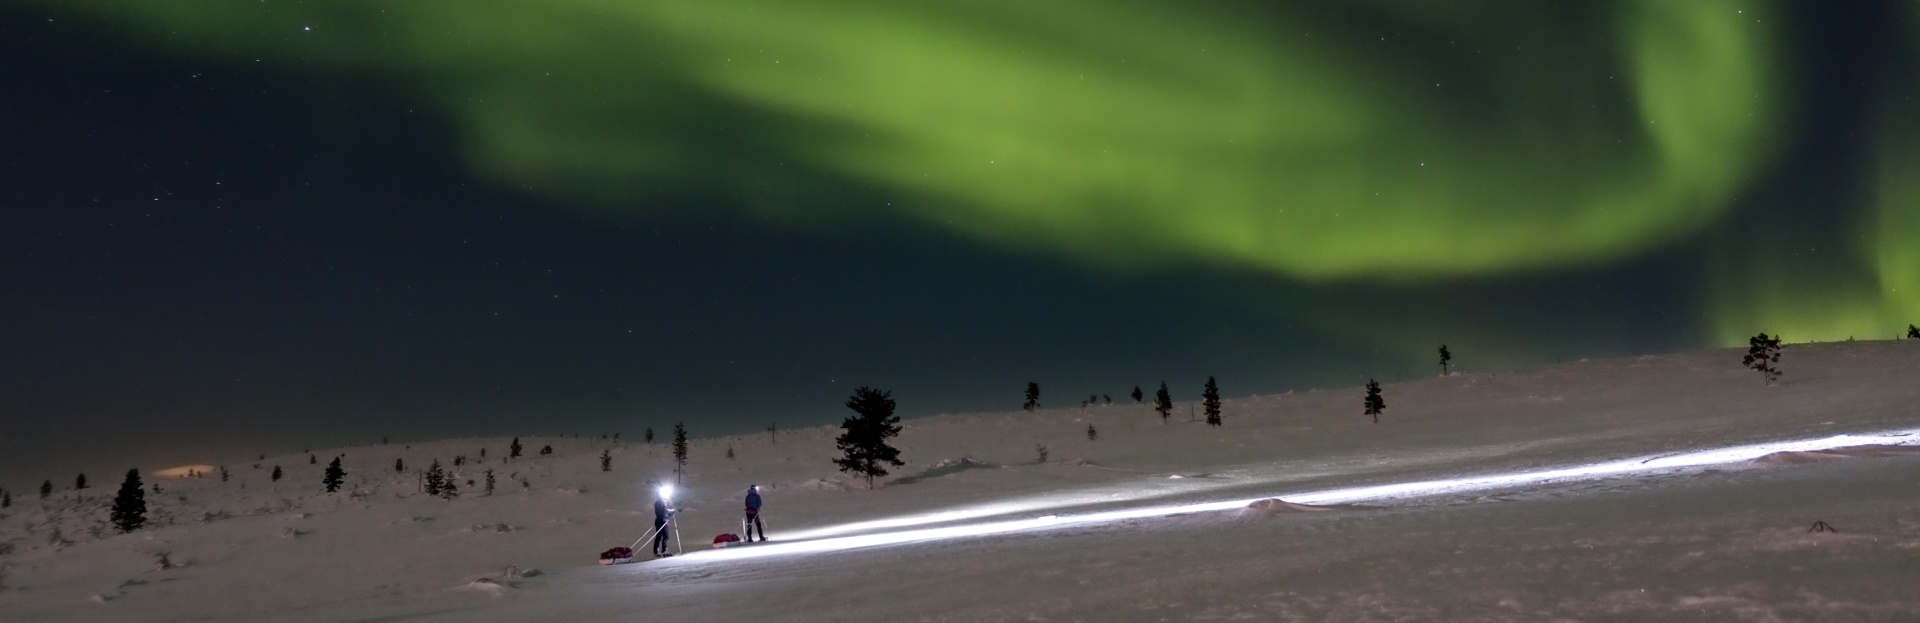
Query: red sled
(616, 556)
(726, 540)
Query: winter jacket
(660, 512)
(753, 500)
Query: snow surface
(1297, 509)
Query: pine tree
(1913, 332)
(1374, 403)
(606, 460)
(80, 482)
(399, 465)
(130, 505)
(448, 488)
(679, 450)
(1091, 433)
(223, 473)
(334, 475)
(276, 474)
(546, 450)
(513, 449)
(1137, 396)
(46, 488)
(311, 460)
(1762, 353)
(729, 452)
(863, 440)
(1211, 400)
(489, 482)
(773, 432)
(436, 479)
(1444, 358)
(1033, 396)
(1163, 402)
(6, 499)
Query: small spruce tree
(448, 488)
(863, 439)
(399, 465)
(513, 449)
(46, 488)
(1137, 396)
(1033, 396)
(1163, 402)
(1913, 332)
(1445, 358)
(1210, 396)
(130, 505)
(1374, 403)
(436, 479)
(1040, 451)
(606, 460)
(334, 476)
(729, 452)
(773, 432)
(1762, 353)
(276, 474)
(6, 499)
(546, 450)
(1092, 434)
(489, 482)
(311, 460)
(679, 450)
(80, 482)
(223, 473)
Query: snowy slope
(1726, 542)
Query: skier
(753, 515)
(661, 514)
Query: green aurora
(1324, 143)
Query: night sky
(230, 228)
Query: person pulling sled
(752, 519)
(661, 515)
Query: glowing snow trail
(1718, 456)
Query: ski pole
(676, 537)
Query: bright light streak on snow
(1718, 456)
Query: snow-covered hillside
(1722, 542)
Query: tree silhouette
(1913, 332)
(513, 449)
(436, 479)
(1444, 358)
(399, 464)
(1211, 400)
(489, 481)
(546, 450)
(1033, 396)
(276, 474)
(1091, 433)
(1762, 353)
(80, 482)
(679, 450)
(1137, 396)
(1374, 403)
(46, 488)
(606, 460)
(130, 505)
(333, 476)
(863, 440)
(1163, 402)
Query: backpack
(725, 540)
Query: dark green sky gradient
(447, 218)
